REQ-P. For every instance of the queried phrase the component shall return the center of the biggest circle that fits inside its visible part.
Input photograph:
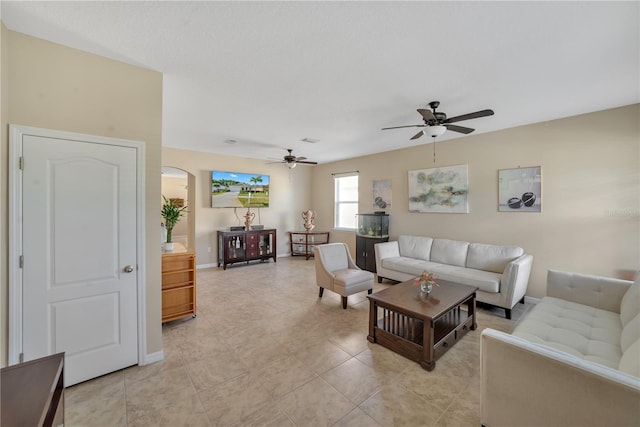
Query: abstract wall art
(439, 190)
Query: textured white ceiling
(268, 74)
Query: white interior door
(79, 275)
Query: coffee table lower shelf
(421, 340)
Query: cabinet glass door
(265, 244)
(236, 245)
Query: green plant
(171, 214)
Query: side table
(303, 243)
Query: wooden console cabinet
(245, 246)
(32, 393)
(178, 284)
(303, 243)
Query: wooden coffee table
(418, 326)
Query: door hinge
(21, 163)
(21, 358)
(21, 261)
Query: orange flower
(426, 277)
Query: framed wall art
(439, 190)
(520, 189)
(382, 194)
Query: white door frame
(15, 302)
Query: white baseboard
(201, 266)
(152, 358)
(215, 264)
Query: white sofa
(573, 360)
(501, 273)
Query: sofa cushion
(491, 257)
(350, 277)
(630, 303)
(484, 280)
(630, 333)
(585, 332)
(418, 247)
(451, 252)
(630, 360)
(408, 265)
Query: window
(346, 201)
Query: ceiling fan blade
(308, 163)
(460, 129)
(482, 113)
(298, 159)
(408, 126)
(417, 135)
(427, 114)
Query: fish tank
(374, 225)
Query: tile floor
(264, 350)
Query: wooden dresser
(178, 283)
(32, 393)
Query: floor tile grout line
(206, 413)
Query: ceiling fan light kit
(435, 131)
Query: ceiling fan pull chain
(434, 150)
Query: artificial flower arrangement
(426, 277)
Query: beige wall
(289, 197)
(590, 220)
(56, 87)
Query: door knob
(128, 269)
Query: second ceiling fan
(291, 161)
(436, 122)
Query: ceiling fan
(436, 122)
(292, 161)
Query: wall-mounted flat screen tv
(239, 190)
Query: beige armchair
(336, 271)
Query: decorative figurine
(308, 217)
(248, 219)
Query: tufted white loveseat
(501, 273)
(573, 360)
